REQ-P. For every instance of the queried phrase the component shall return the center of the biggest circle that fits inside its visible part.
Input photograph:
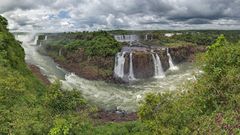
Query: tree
(220, 41)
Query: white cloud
(27, 15)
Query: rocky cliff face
(143, 61)
(143, 67)
(185, 53)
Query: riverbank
(103, 116)
(37, 72)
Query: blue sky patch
(63, 14)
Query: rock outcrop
(102, 68)
(143, 61)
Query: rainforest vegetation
(210, 105)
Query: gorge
(149, 67)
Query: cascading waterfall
(149, 37)
(105, 95)
(130, 40)
(46, 37)
(172, 66)
(131, 72)
(36, 40)
(60, 52)
(158, 70)
(126, 38)
(119, 64)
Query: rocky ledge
(98, 68)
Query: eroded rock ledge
(94, 68)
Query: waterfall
(119, 65)
(158, 70)
(130, 39)
(46, 37)
(36, 40)
(126, 38)
(172, 66)
(146, 37)
(149, 37)
(60, 52)
(131, 72)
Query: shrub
(210, 106)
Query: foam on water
(105, 95)
(158, 70)
(171, 64)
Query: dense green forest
(100, 43)
(210, 105)
(92, 53)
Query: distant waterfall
(131, 72)
(119, 65)
(60, 52)
(172, 66)
(149, 37)
(46, 37)
(158, 70)
(36, 40)
(146, 37)
(126, 38)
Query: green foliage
(27, 107)
(220, 41)
(3, 21)
(211, 104)
(129, 128)
(62, 101)
(61, 127)
(103, 46)
(94, 43)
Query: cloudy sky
(78, 15)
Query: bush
(62, 101)
(210, 106)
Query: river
(105, 95)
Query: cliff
(102, 68)
(143, 59)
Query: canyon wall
(144, 60)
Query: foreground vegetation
(28, 107)
(211, 105)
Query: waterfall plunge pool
(102, 94)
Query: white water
(158, 70)
(103, 94)
(147, 37)
(126, 38)
(131, 72)
(35, 39)
(46, 37)
(119, 64)
(171, 64)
